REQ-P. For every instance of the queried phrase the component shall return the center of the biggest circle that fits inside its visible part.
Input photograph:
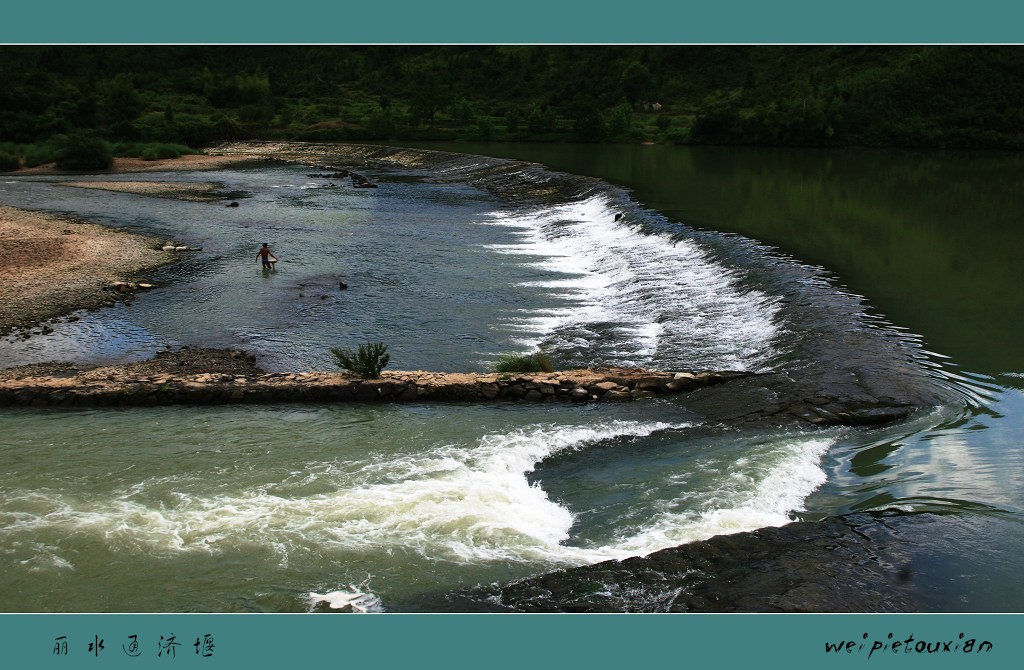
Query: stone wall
(117, 387)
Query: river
(676, 258)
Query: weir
(140, 385)
(221, 377)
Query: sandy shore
(55, 265)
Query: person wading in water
(267, 257)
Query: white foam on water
(459, 503)
(36, 556)
(339, 600)
(456, 503)
(757, 492)
(357, 598)
(660, 294)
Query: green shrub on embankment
(513, 362)
(367, 362)
(83, 151)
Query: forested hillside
(165, 98)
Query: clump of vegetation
(8, 162)
(154, 152)
(535, 362)
(38, 154)
(83, 152)
(367, 362)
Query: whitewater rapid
(663, 299)
(463, 503)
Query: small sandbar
(124, 164)
(192, 191)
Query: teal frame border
(511, 641)
(508, 640)
(473, 641)
(518, 22)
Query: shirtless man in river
(268, 258)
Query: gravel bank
(55, 265)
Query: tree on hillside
(635, 82)
(428, 88)
(119, 102)
(83, 151)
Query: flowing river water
(455, 259)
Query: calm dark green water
(254, 509)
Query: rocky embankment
(207, 377)
(198, 376)
(854, 563)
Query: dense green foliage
(367, 362)
(927, 96)
(83, 151)
(8, 161)
(158, 151)
(535, 362)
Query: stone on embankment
(603, 387)
(651, 385)
(409, 392)
(678, 385)
(367, 391)
(516, 391)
